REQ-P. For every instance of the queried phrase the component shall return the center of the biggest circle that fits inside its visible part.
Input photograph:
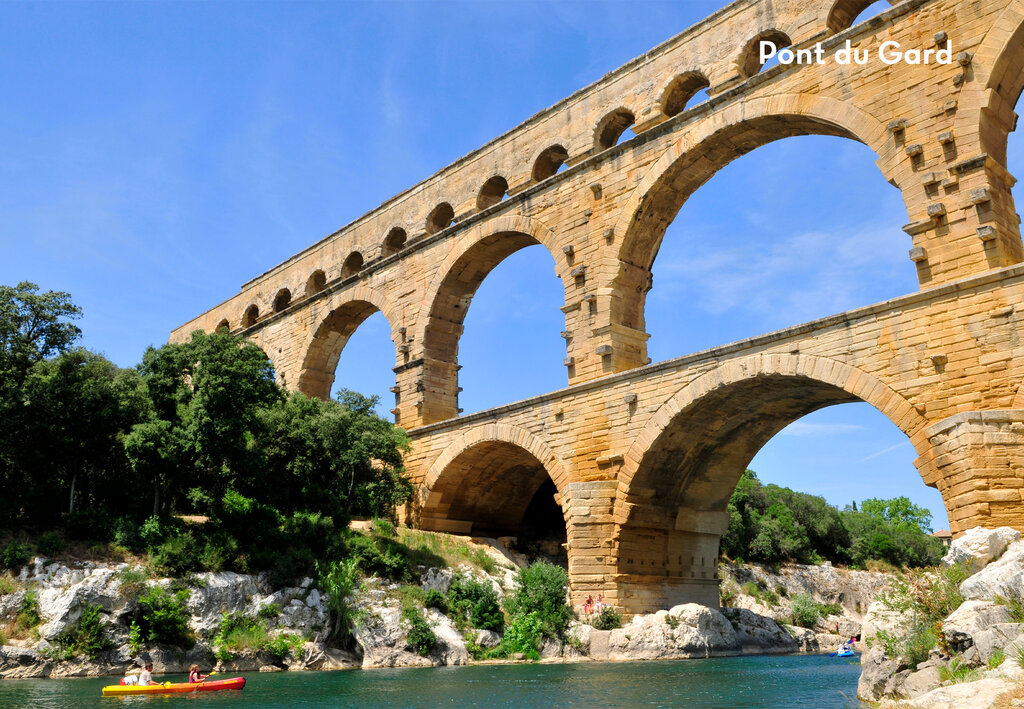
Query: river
(761, 682)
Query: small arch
(493, 191)
(611, 128)
(845, 13)
(440, 217)
(548, 162)
(750, 58)
(282, 300)
(316, 282)
(394, 241)
(680, 90)
(252, 314)
(223, 325)
(353, 265)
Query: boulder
(1003, 577)
(878, 618)
(436, 580)
(925, 679)
(976, 695)
(578, 639)
(220, 593)
(689, 630)
(487, 638)
(60, 607)
(550, 648)
(758, 633)
(877, 674)
(451, 647)
(381, 635)
(978, 546)
(805, 638)
(966, 624)
(21, 662)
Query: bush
(475, 601)
(237, 633)
(542, 590)
(270, 611)
(126, 534)
(805, 611)
(27, 618)
(90, 524)
(133, 583)
(15, 555)
(421, 638)
(378, 557)
(86, 637)
(338, 581)
(134, 639)
(162, 617)
(609, 619)
(50, 544)
(382, 527)
(523, 635)
(436, 599)
(283, 645)
(176, 555)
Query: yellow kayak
(115, 690)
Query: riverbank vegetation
(773, 524)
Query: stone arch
(251, 315)
(493, 191)
(830, 380)
(353, 264)
(484, 480)
(697, 156)
(749, 61)
(223, 325)
(282, 300)
(479, 250)
(335, 319)
(548, 162)
(611, 128)
(440, 217)
(394, 241)
(316, 282)
(843, 14)
(680, 90)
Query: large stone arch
(485, 479)
(447, 298)
(333, 321)
(679, 473)
(698, 154)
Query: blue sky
(155, 156)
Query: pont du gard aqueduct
(642, 457)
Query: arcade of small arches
(632, 465)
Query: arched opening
(847, 13)
(493, 191)
(681, 90)
(440, 217)
(353, 265)
(496, 488)
(750, 58)
(612, 127)
(550, 161)
(676, 498)
(251, 315)
(504, 356)
(394, 241)
(316, 282)
(223, 325)
(367, 370)
(282, 300)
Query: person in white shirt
(146, 678)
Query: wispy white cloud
(806, 429)
(885, 450)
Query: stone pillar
(976, 460)
(590, 530)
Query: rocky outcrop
(759, 634)
(977, 547)
(688, 630)
(1001, 578)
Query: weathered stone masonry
(644, 456)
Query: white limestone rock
(758, 633)
(978, 546)
(689, 630)
(487, 638)
(1002, 577)
(436, 580)
(967, 624)
(879, 618)
(970, 695)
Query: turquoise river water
(761, 682)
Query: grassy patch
(759, 591)
(998, 656)
(1015, 607)
(428, 547)
(957, 671)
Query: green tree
(33, 326)
(899, 512)
(541, 595)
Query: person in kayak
(194, 676)
(146, 676)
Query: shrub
(86, 637)
(523, 635)
(958, 671)
(27, 618)
(133, 583)
(475, 601)
(269, 611)
(126, 534)
(134, 639)
(15, 555)
(762, 594)
(378, 557)
(421, 638)
(383, 527)
(93, 524)
(237, 633)
(542, 590)
(162, 617)
(436, 599)
(609, 619)
(338, 581)
(7, 584)
(805, 611)
(283, 645)
(50, 544)
(826, 609)
(176, 555)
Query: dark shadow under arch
(749, 62)
(680, 90)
